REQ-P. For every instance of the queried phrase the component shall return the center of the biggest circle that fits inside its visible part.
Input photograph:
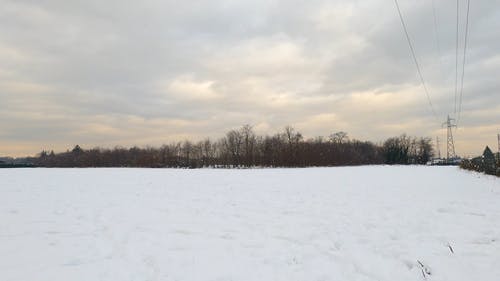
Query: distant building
(8, 162)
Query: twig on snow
(451, 249)
(425, 270)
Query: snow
(352, 223)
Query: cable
(463, 62)
(436, 33)
(456, 61)
(416, 61)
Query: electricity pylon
(498, 136)
(450, 145)
(437, 147)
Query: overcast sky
(106, 73)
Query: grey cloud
(314, 64)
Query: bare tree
(249, 141)
(232, 144)
(339, 137)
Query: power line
(415, 60)
(456, 60)
(436, 33)
(463, 62)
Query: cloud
(137, 73)
(186, 89)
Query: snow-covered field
(355, 223)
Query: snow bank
(356, 223)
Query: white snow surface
(350, 223)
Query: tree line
(487, 163)
(244, 148)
